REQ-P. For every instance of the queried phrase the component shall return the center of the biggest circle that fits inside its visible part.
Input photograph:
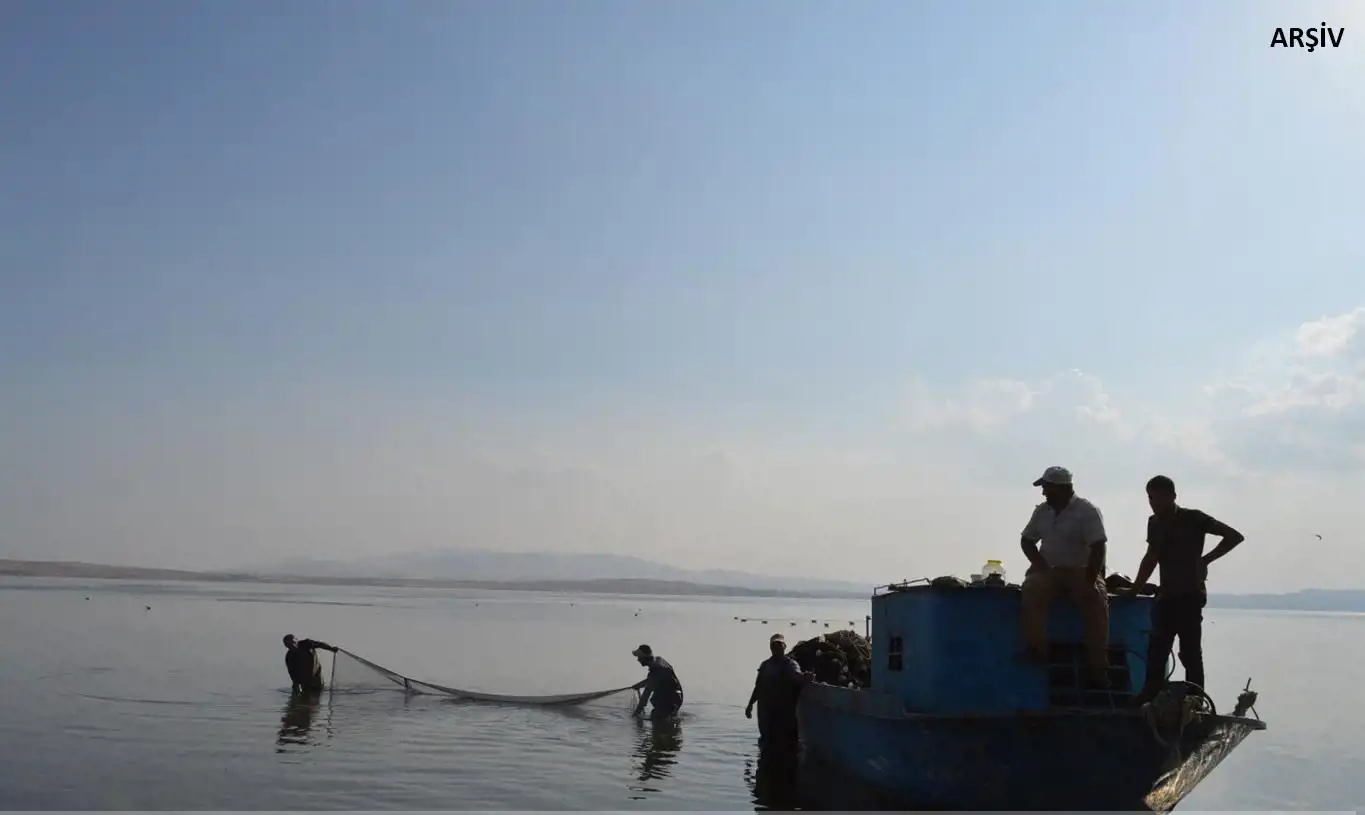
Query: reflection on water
(773, 779)
(296, 725)
(656, 752)
(130, 714)
(781, 779)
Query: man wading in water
(776, 691)
(301, 658)
(661, 686)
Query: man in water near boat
(301, 658)
(776, 691)
(1070, 561)
(1175, 543)
(661, 686)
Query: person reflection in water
(296, 725)
(773, 780)
(657, 750)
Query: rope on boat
(1172, 710)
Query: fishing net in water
(355, 674)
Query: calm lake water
(111, 705)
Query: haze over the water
(812, 290)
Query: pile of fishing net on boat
(355, 674)
(840, 658)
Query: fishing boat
(953, 720)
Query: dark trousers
(778, 728)
(1176, 617)
(665, 707)
(312, 684)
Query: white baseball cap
(1054, 475)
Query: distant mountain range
(1304, 600)
(624, 585)
(614, 574)
(501, 567)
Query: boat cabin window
(895, 650)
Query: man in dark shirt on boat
(661, 686)
(1175, 542)
(1070, 561)
(776, 691)
(301, 658)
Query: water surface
(112, 705)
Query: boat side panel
(1082, 761)
(959, 647)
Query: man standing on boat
(1175, 542)
(776, 691)
(1070, 561)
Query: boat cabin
(950, 649)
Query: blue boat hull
(1056, 760)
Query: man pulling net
(661, 686)
(301, 660)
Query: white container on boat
(993, 569)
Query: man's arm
(646, 689)
(1147, 567)
(1028, 542)
(1230, 538)
(644, 699)
(1030, 548)
(793, 672)
(317, 644)
(753, 697)
(1150, 558)
(1098, 541)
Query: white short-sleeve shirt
(1067, 535)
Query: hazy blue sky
(798, 287)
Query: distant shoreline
(1335, 600)
(638, 586)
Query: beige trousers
(1039, 590)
